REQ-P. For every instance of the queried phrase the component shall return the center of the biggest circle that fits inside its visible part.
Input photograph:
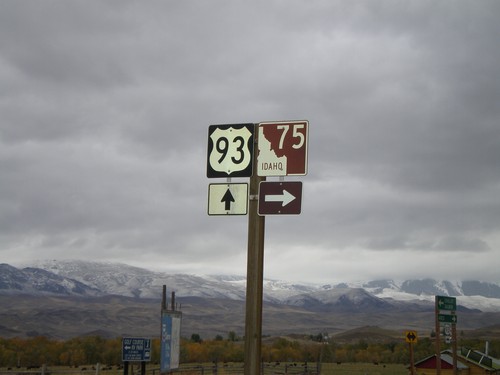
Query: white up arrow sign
(285, 198)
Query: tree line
(28, 352)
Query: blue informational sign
(170, 340)
(136, 349)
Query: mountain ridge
(86, 278)
(74, 298)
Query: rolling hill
(70, 298)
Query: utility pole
(255, 276)
(454, 346)
(438, 336)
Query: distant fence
(273, 368)
(98, 369)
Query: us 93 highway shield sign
(230, 150)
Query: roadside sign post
(448, 304)
(411, 338)
(255, 280)
(454, 343)
(273, 149)
(136, 349)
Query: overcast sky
(104, 115)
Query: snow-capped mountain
(125, 280)
(39, 281)
(472, 294)
(341, 299)
(84, 278)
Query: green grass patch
(362, 369)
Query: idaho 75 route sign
(230, 150)
(282, 148)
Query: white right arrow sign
(284, 198)
(280, 198)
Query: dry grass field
(115, 316)
(363, 369)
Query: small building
(469, 362)
(481, 358)
(427, 366)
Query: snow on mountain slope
(39, 281)
(122, 279)
(339, 299)
(395, 292)
(125, 280)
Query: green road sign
(446, 303)
(444, 318)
